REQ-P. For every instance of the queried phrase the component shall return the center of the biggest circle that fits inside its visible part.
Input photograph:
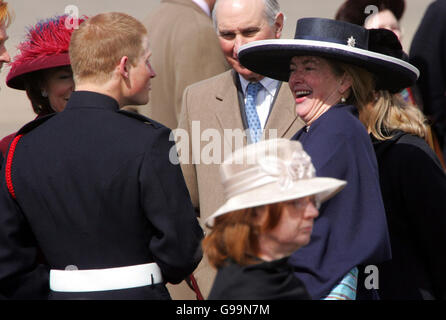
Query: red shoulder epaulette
(8, 167)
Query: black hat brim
(272, 58)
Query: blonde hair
(235, 235)
(101, 41)
(6, 15)
(363, 83)
(390, 112)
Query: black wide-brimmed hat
(376, 50)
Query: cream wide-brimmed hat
(268, 172)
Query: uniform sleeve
(184, 146)
(424, 190)
(21, 277)
(176, 243)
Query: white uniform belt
(105, 279)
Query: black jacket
(273, 280)
(95, 188)
(413, 186)
(428, 54)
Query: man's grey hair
(272, 8)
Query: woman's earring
(44, 94)
(343, 100)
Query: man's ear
(278, 25)
(123, 67)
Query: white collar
(269, 84)
(203, 5)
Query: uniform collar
(90, 99)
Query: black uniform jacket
(273, 280)
(95, 187)
(413, 186)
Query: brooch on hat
(288, 172)
(351, 42)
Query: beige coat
(214, 103)
(185, 49)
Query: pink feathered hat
(46, 46)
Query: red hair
(235, 235)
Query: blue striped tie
(255, 128)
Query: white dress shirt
(203, 5)
(265, 96)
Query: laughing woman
(332, 67)
(42, 68)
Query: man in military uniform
(95, 188)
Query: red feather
(46, 38)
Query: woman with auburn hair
(42, 69)
(272, 200)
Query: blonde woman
(413, 186)
(388, 17)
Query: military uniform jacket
(94, 188)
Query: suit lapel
(282, 115)
(227, 108)
(227, 111)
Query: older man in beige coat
(213, 121)
(185, 51)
